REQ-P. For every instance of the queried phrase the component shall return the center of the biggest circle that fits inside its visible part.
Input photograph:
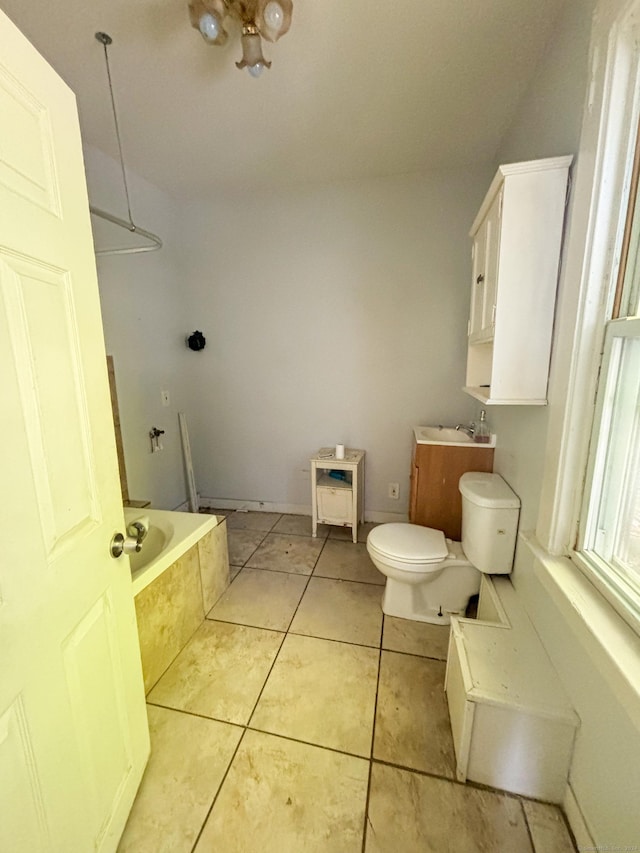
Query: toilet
(430, 577)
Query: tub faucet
(470, 430)
(136, 533)
(131, 543)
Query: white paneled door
(73, 729)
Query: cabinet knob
(480, 279)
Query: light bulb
(209, 27)
(257, 69)
(273, 16)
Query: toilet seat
(410, 546)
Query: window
(612, 528)
(610, 525)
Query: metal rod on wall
(116, 220)
(156, 243)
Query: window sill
(609, 641)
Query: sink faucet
(470, 430)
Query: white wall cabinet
(517, 237)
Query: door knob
(121, 544)
(130, 543)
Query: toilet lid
(410, 543)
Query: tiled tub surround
(179, 586)
(298, 718)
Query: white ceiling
(357, 88)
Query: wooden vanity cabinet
(435, 472)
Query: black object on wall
(196, 341)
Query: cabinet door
(438, 502)
(478, 254)
(413, 500)
(486, 247)
(492, 249)
(335, 506)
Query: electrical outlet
(394, 491)
(165, 398)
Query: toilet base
(432, 601)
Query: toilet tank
(490, 513)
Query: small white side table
(334, 501)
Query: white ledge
(613, 645)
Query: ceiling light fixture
(259, 19)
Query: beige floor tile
(419, 814)
(286, 797)
(220, 672)
(189, 757)
(346, 533)
(412, 718)
(234, 571)
(321, 692)
(297, 554)
(548, 828)
(263, 521)
(340, 610)
(349, 562)
(262, 599)
(299, 525)
(242, 544)
(415, 638)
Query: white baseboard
(576, 821)
(385, 517)
(289, 509)
(255, 506)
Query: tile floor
(299, 719)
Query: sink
(444, 435)
(447, 435)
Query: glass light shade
(273, 16)
(209, 27)
(252, 57)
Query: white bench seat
(513, 725)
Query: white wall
(142, 312)
(605, 772)
(547, 124)
(344, 322)
(332, 314)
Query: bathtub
(170, 535)
(177, 577)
